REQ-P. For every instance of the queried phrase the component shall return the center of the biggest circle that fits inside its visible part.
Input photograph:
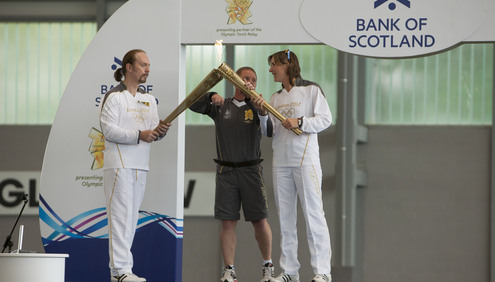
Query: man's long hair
(129, 58)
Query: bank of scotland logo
(392, 5)
(118, 63)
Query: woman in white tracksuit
(296, 165)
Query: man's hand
(162, 129)
(258, 104)
(249, 86)
(148, 135)
(217, 99)
(151, 135)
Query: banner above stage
(243, 22)
(392, 28)
(374, 28)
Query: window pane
(36, 62)
(453, 87)
(200, 61)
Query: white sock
(266, 261)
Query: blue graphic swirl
(91, 224)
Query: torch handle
(229, 74)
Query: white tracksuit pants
(124, 191)
(305, 182)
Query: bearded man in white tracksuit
(128, 117)
(296, 165)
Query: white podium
(32, 267)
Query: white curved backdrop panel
(72, 207)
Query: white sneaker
(286, 278)
(321, 278)
(268, 272)
(128, 277)
(228, 275)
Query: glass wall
(200, 60)
(36, 62)
(451, 88)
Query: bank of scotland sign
(391, 4)
(392, 28)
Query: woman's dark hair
(129, 58)
(287, 57)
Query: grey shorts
(236, 187)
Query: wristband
(300, 122)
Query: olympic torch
(228, 73)
(212, 79)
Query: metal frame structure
(58, 10)
(492, 187)
(349, 178)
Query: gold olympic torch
(229, 74)
(212, 79)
